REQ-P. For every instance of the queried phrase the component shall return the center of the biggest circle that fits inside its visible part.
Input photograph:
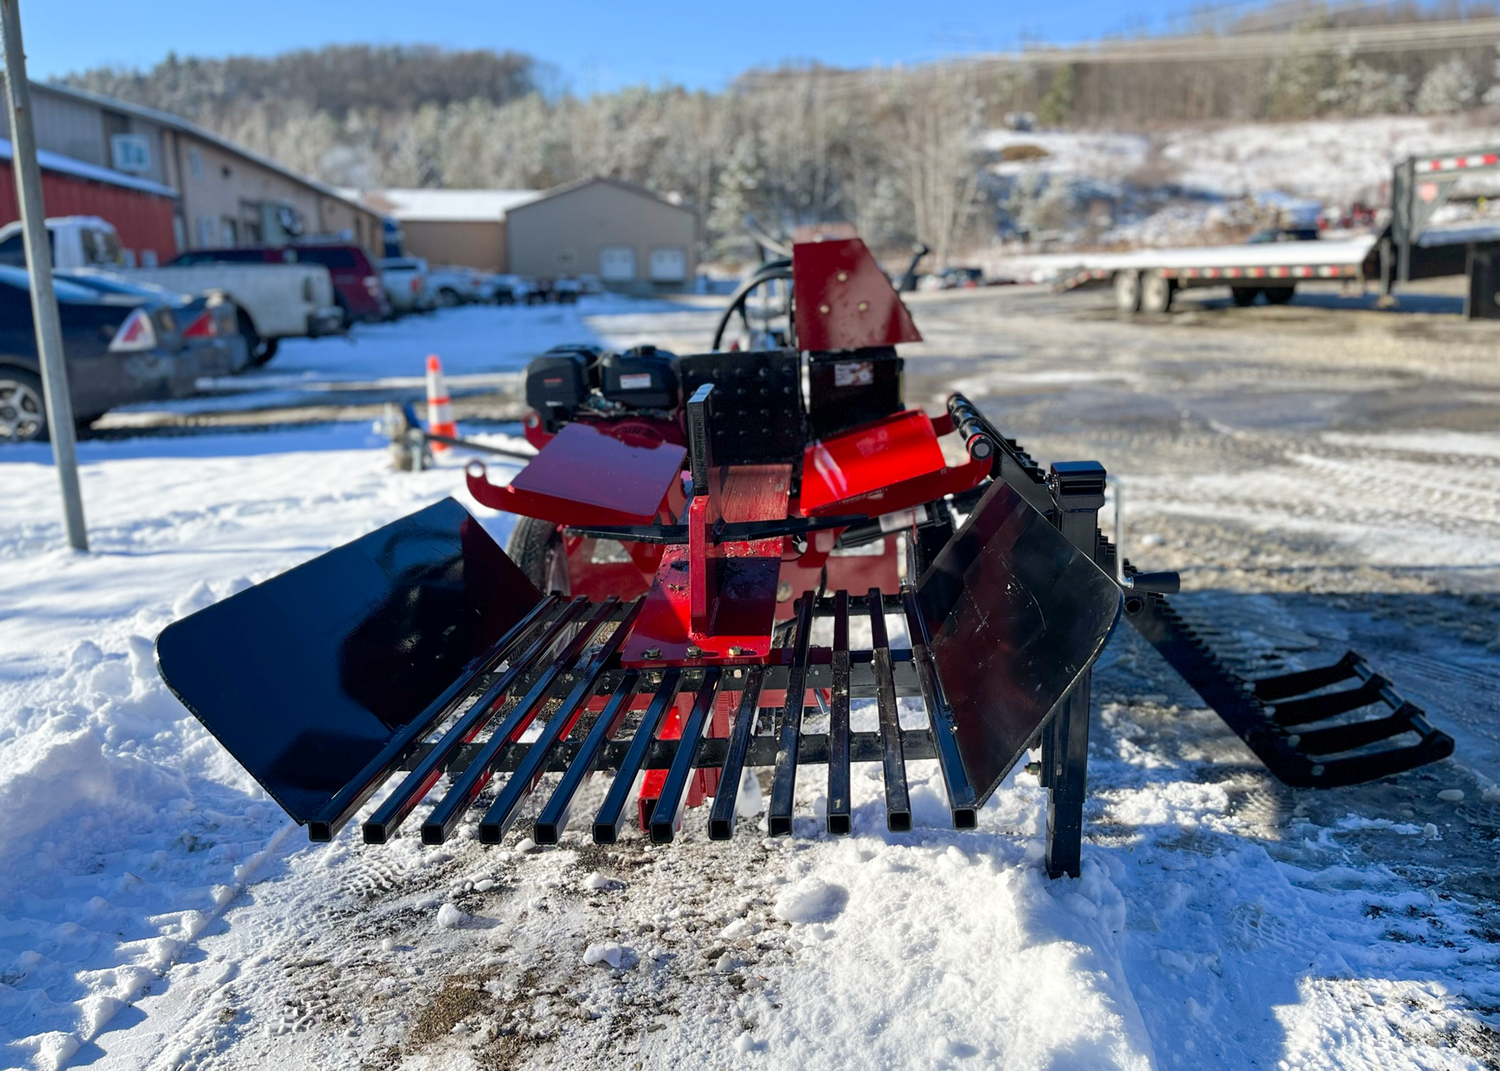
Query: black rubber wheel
(1280, 295)
(23, 414)
(537, 547)
(260, 349)
(265, 349)
(449, 298)
(1244, 296)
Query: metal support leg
(1078, 490)
(1065, 767)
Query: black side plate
(306, 677)
(1016, 614)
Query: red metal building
(141, 211)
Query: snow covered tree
(1359, 89)
(1449, 87)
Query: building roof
(66, 165)
(176, 122)
(448, 206)
(629, 187)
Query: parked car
(510, 289)
(357, 290)
(118, 349)
(207, 324)
(562, 291)
(274, 300)
(455, 286)
(405, 282)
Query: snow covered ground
(157, 911)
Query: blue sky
(594, 45)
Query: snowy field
(1323, 479)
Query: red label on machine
(636, 381)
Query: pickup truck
(275, 301)
(405, 282)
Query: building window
(195, 162)
(617, 263)
(208, 232)
(668, 265)
(130, 153)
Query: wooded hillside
(893, 151)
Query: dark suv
(356, 284)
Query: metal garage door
(617, 264)
(668, 265)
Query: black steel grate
(564, 655)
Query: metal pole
(49, 345)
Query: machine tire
(1156, 292)
(23, 412)
(1244, 296)
(449, 298)
(1280, 295)
(536, 546)
(1128, 290)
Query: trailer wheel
(1280, 295)
(1244, 296)
(1156, 292)
(1128, 291)
(537, 547)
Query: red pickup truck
(356, 283)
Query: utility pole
(59, 403)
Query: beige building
(227, 196)
(463, 227)
(633, 240)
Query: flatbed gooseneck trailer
(1406, 250)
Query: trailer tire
(1128, 290)
(1156, 292)
(536, 546)
(1244, 296)
(1280, 295)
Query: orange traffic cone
(439, 407)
